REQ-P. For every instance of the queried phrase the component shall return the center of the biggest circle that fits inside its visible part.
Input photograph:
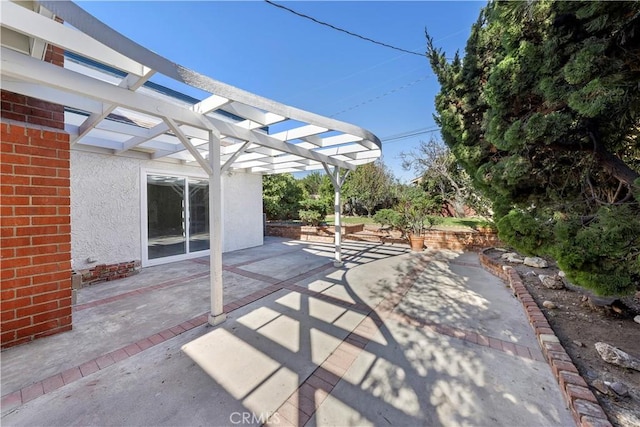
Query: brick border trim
(585, 408)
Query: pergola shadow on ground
(394, 338)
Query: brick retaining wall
(473, 240)
(309, 232)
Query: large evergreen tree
(544, 114)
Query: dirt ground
(579, 324)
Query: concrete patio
(392, 338)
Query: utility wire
(364, 70)
(353, 107)
(302, 15)
(409, 134)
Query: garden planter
(417, 243)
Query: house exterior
(104, 170)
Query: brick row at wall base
(106, 272)
(583, 404)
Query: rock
(512, 257)
(551, 282)
(591, 374)
(579, 343)
(599, 385)
(615, 356)
(619, 388)
(599, 301)
(549, 304)
(562, 274)
(500, 249)
(637, 319)
(536, 262)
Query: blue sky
(274, 53)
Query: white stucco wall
(106, 207)
(242, 211)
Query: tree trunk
(616, 167)
(612, 163)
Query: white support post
(217, 314)
(337, 182)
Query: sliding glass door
(177, 216)
(198, 215)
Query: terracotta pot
(417, 243)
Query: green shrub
(281, 196)
(310, 217)
(387, 218)
(316, 205)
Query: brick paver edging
(584, 406)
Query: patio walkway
(394, 338)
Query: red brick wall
(35, 220)
(36, 233)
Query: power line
(379, 85)
(302, 15)
(364, 70)
(353, 107)
(409, 134)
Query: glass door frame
(144, 220)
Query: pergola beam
(187, 144)
(131, 82)
(50, 94)
(88, 24)
(233, 157)
(17, 65)
(36, 26)
(37, 47)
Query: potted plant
(411, 215)
(415, 207)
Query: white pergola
(111, 107)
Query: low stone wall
(323, 233)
